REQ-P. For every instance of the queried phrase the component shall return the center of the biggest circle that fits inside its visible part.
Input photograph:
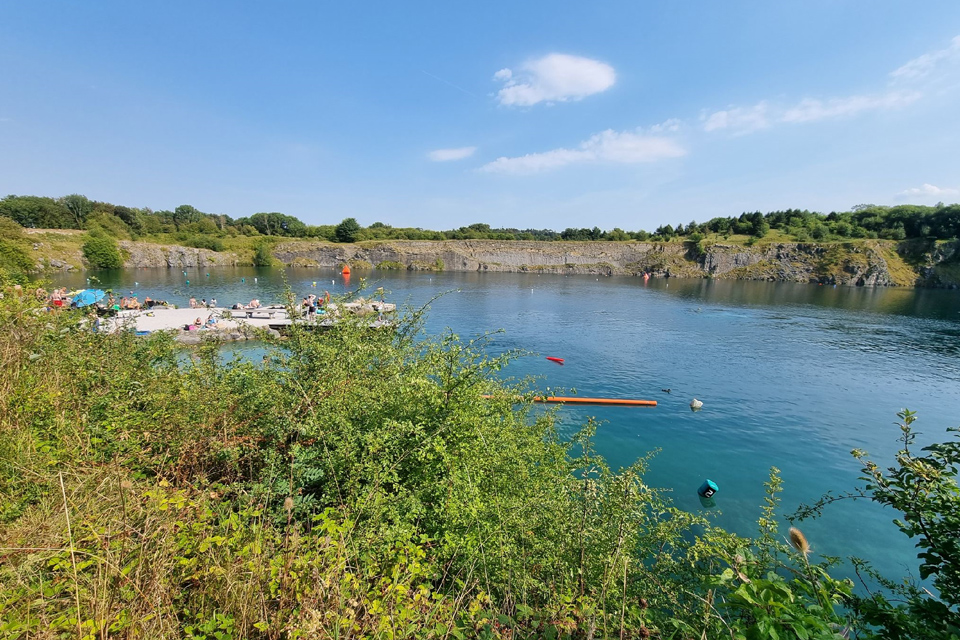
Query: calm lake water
(791, 375)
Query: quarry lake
(791, 375)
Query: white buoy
(695, 404)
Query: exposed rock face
(865, 262)
(854, 264)
(142, 254)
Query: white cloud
(621, 147)
(667, 126)
(445, 155)
(923, 66)
(739, 120)
(809, 110)
(928, 190)
(556, 77)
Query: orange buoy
(623, 402)
(346, 270)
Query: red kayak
(557, 360)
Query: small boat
(557, 360)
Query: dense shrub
(262, 256)
(15, 260)
(102, 252)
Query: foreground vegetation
(359, 484)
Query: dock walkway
(230, 324)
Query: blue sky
(537, 114)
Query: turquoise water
(791, 375)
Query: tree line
(189, 225)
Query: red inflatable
(557, 360)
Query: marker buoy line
(624, 402)
(557, 360)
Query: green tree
(36, 212)
(185, 214)
(79, 207)
(348, 230)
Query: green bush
(390, 265)
(102, 252)
(108, 224)
(262, 256)
(15, 260)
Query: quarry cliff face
(865, 262)
(143, 254)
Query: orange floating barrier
(557, 360)
(623, 402)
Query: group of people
(313, 303)
(203, 304)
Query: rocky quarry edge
(871, 263)
(862, 262)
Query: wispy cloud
(928, 190)
(556, 77)
(620, 147)
(809, 110)
(743, 120)
(740, 120)
(923, 66)
(446, 155)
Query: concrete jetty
(192, 324)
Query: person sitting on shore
(213, 303)
(193, 303)
(254, 304)
(211, 321)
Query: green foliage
(108, 224)
(390, 265)
(901, 223)
(380, 484)
(79, 208)
(262, 256)
(102, 251)
(205, 242)
(15, 260)
(922, 487)
(36, 212)
(348, 230)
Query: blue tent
(88, 296)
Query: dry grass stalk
(799, 541)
